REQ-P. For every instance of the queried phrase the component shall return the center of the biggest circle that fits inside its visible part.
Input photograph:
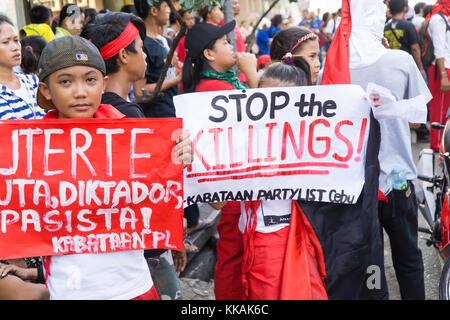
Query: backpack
(426, 45)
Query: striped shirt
(21, 103)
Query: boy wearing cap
(71, 73)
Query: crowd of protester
(283, 53)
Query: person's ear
(45, 90)
(105, 82)
(209, 55)
(122, 57)
(154, 11)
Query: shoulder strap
(393, 32)
(446, 21)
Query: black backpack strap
(393, 32)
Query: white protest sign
(306, 143)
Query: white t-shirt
(332, 26)
(396, 71)
(271, 216)
(103, 276)
(440, 38)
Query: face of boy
(9, 46)
(76, 91)
(163, 14)
(310, 51)
(137, 64)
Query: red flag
(304, 266)
(337, 70)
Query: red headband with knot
(124, 40)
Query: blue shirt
(315, 26)
(15, 105)
(262, 40)
(272, 31)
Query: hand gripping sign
(89, 186)
(306, 143)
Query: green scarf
(228, 76)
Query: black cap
(64, 52)
(201, 34)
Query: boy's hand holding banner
(305, 143)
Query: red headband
(304, 38)
(124, 40)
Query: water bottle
(399, 181)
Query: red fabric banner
(88, 186)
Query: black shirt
(405, 34)
(129, 109)
(162, 107)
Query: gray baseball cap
(65, 52)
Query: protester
(333, 25)
(41, 19)
(314, 23)
(122, 51)
(266, 245)
(396, 71)
(70, 21)
(276, 24)
(439, 71)
(211, 14)
(32, 47)
(174, 27)
(401, 34)
(83, 80)
(189, 20)
(207, 68)
(18, 90)
(305, 19)
(262, 38)
(419, 17)
(156, 48)
(308, 49)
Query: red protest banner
(88, 186)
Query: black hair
(172, 18)
(276, 20)
(325, 16)
(5, 19)
(418, 6)
(203, 12)
(285, 74)
(396, 6)
(89, 15)
(142, 7)
(32, 47)
(40, 14)
(129, 8)
(428, 9)
(108, 27)
(193, 69)
(286, 39)
(68, 10)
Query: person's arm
(150, 87)
(23, 273)
(413, 39)
(437, 31)
(417, 56)
(445, 83)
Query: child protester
(120, 37)
(72, 88)
(209, 60)
(41, 18)
(17, 90)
